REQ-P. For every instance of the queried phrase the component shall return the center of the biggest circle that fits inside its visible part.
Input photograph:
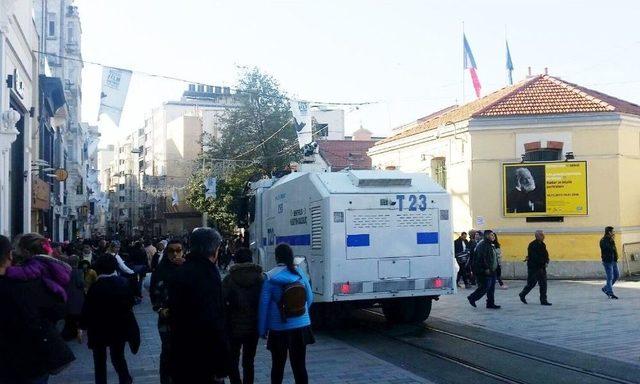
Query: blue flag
(509, 64)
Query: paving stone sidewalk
(581, 318)
(329, 361)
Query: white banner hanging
(115, 85)
(210, 187)
(302, 121)
(175, 200)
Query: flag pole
(463, 69)
(508, 58)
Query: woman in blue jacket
(285, 334)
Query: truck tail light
(438, 282)
(345, 288)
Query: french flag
(470, 64)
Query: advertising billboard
(545, 189)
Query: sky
(405, 55)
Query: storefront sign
(41, 192)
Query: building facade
(467, 148)
(59, 28)
(168, 147)
(18, 105)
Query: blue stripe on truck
(358, 240)
(294, 239)
(427, 238)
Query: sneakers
(545, 303)
(524, 301)
(606, 293)
(504, 286)
(493, 306)
(612, 296)
(473, 303)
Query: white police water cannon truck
(365, 238)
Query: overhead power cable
(167, 77)
(265, 140)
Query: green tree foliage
(225, 210)
(257, 137)
(260, 128)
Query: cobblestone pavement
(328, 361)
(581, 318)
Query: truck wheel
(398, 311)
(407, 310)
(422, 309)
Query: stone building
(18, 105)
(467, 149)
(59, 28)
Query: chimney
(529, 75)
(546, 70)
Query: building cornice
(443, 131)
(7, 8)
(577, 120)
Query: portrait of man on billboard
(525, 189)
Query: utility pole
(205, 216)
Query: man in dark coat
(161, 279)
(30, 346)
(140, 265)
(537, 260)
(475, 238)
(609, 254)
(108, 317)
(199, 349)
(241, 290)
(485, 263)
(461, 249)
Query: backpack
(293, 301)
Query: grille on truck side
(381, 220)
(316, 227)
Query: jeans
(611, 269)
(141, 272)
(539, 276)
(463, 273)
(486, 285)
(499, 275)
(248, 345)
(117, 359)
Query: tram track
(496, 363)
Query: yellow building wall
(561, 246)
(575, 239)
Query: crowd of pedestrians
(480, 264)
(208, 326)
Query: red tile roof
(540, 95)
(454, 115)
(547, 95)
(340, 154)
